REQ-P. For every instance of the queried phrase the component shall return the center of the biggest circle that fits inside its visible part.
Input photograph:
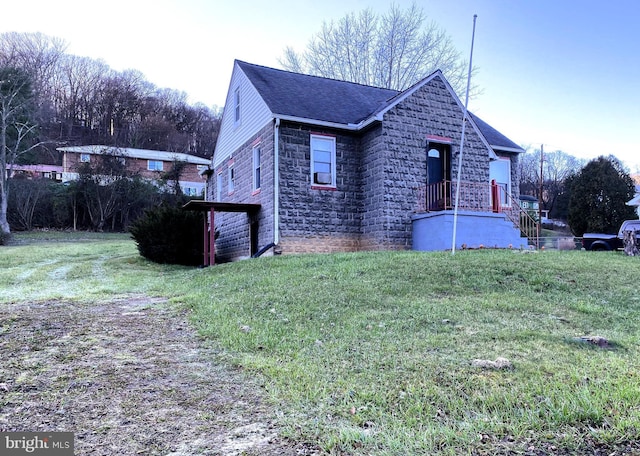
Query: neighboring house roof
(304, 96)
(145, 154)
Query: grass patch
(370, 353)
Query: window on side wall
(219, 186)
(500, 171)
(85, 158)
(323, 161)
(231, 179)
(154, 165)
(256, 167)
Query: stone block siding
(401, 159)
(318, 220)
(378, 171)
(234, 239)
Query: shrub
(4, 238)
(169, 235)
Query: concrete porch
(432, 231)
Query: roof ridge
(242, 62)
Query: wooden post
(212, 238)
(205, 242)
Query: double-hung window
(323, 161)
(256, 167)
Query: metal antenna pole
(464, 124)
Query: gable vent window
(323, 161)
(236, 102)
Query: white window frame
(154, 167)
(219, 186)
(236, 106)
(497, 171)
(191, 191)
(324, 141)
(85, 158)
(231, 179)
(257, 167)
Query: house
(52, 172)
(336, 166)
(149, 164)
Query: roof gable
(312, 97)
(345, 103)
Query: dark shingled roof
(313, 97)
(330, 100)
(495, 139)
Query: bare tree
(16, 105)
(37, 55)
(557, 167)
(76, 82)
(394, 50)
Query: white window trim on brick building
(219, 186)
(231, 179)
(323, 161)
(256, 167)
(155, 165)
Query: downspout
(276, 182)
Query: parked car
(598, 241)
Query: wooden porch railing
(477, 197)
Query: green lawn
(371, 353)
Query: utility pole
(540, 194)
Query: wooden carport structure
(211, 207)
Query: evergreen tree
(599, 194)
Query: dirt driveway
(128, 377)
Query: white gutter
(339, 126)
(507, 149)
(276, 182)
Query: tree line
(80, 100)
(49, 98)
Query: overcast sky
(563, 73)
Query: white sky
(563, 73)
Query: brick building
(146, 163)
(337, 166)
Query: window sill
(255, 192)
(320, 187)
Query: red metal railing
(478, 197)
